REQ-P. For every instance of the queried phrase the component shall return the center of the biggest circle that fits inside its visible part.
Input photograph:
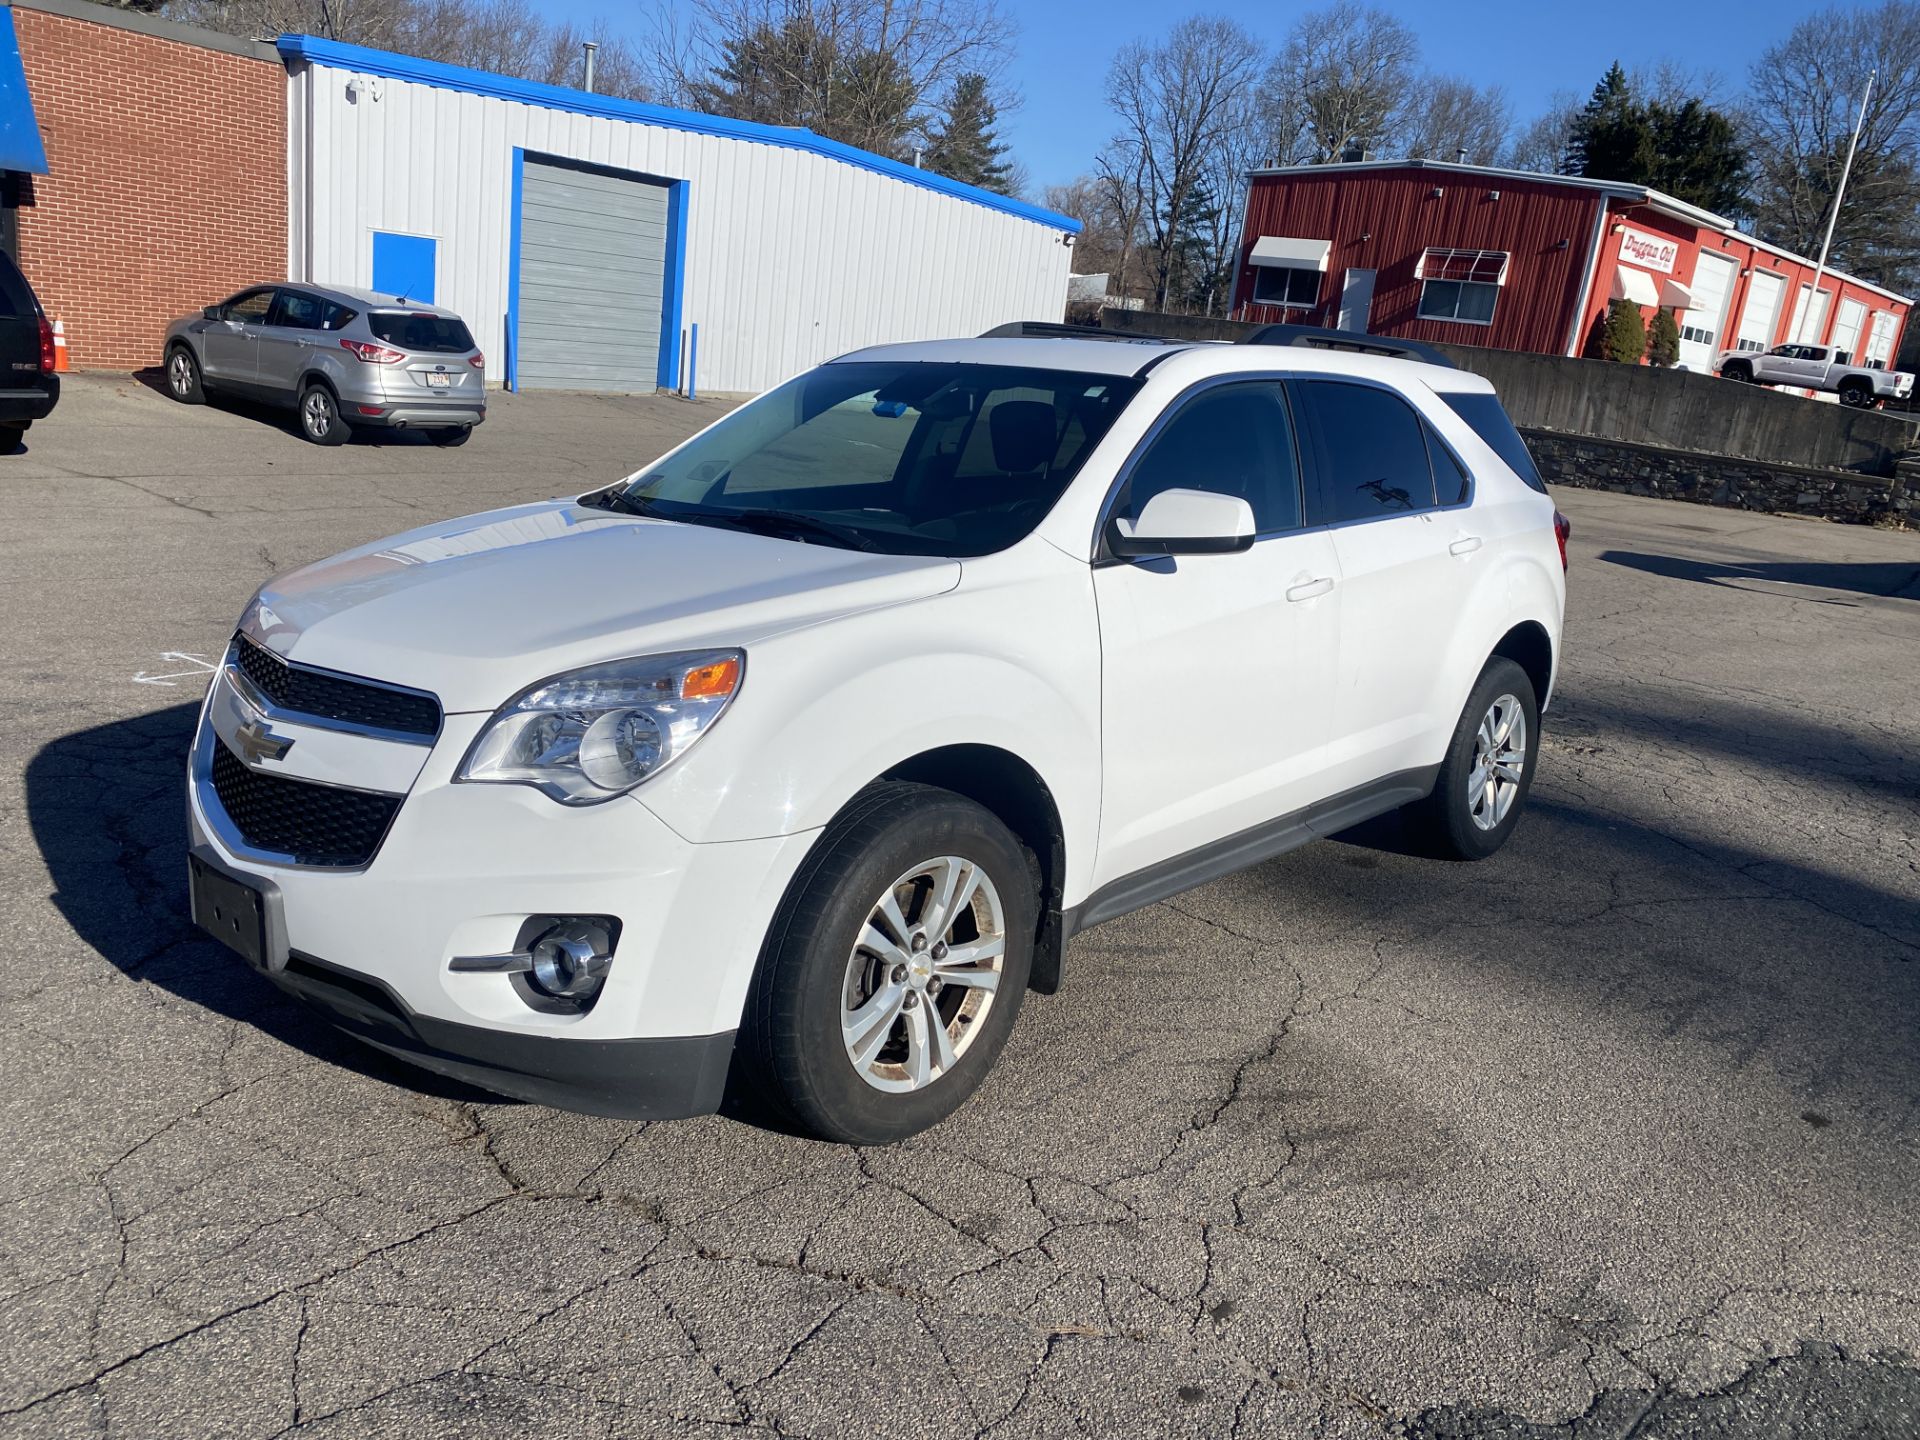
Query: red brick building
(1428, 250)
(166, 151)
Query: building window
(1460, 285)
(1294, 286)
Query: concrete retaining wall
(1630, 469)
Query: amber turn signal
(711, 682)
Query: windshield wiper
(616, 497)
(775, 522)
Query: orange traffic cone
(59, 347)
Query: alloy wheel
(316, 413)
(1499, 762)
(180, 373)
(923, 974)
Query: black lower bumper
(28, 403)
(648, 1079)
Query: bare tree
(1178, 101)
(1804, 97)
(1543, 143)
(1451, 119)
(869, 72)
(505, 36)
(1342, 78)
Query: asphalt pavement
(1617, 1134)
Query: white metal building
(585, 237)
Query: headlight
(592, 734)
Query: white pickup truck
(1816, 367)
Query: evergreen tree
(1687, 149)
(1623, 339)
(796, 73)
(1663, 339)
(965, 147)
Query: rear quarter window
(16, 296)
(1488, 418)
(415, 330)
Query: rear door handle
(1309, 589)
(1465, 545)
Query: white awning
(1634, 285)
(1675, 296)
(1292, 254)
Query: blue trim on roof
(20, 147)
(317, 51)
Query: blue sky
(1532, 47)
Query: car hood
(477, 609)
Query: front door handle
(1309, 589)
(1465, 545)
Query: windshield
(906, 459)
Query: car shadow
(1894, 580)
(281, 418)
(106, 807)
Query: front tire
(1737, 370)
(1488, 770)
(183, 377)
(320, 418)
(895, 970)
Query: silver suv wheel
(923, 974)
(1499, 761)
(180, 374)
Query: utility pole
(587, 48)
(1839, 194)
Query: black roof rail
(1320, 338)
(1057, 330)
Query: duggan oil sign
(1652, 252)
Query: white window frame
(1461, 287)
(1475, 259)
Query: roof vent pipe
(587, 47)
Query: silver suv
(342, 358)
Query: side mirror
(1184, 522)
(212, 312)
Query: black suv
(28, 387)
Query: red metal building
(1428, 250)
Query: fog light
(558, 964)
(567, 967)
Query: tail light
(46, 346)
(477, 360)
(1562, 528)
(373, 354)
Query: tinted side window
(337, 317)
(251, 306)
(16, 296)
(1233, 440)
(1490, 422)
(297, 311)
(1451, 483)
(1373, 456)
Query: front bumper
(458, 872)
(659, 1078)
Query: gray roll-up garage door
(593, 259)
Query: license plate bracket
(241, 913)
(436, 380)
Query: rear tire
(863, 956)
(13, 435)
(1488, 770)
(1856, 393)
(183, 377)
(447, 436)
(320, 418)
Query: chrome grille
(320, 693)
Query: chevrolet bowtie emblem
(256, 742)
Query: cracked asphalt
(1616, 1134)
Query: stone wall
(1631, 469)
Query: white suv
(782, 769)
